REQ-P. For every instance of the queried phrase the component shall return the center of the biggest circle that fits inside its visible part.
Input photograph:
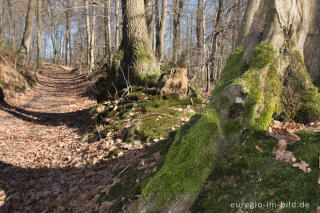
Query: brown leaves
(303, 166)
(282, 154)
(284, 133)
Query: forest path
(44, 166)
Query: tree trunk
(13, 25)
(277, 37)
(88, 28)
(149, 17)
(93, 40)
(217, 30)
(107, 45)
(68, 46)
(39, 31)
(161, 24)
(138, 58)
(117, 39)
(27, 35)
(178, 9)
(177, 12)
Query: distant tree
(27, 35)
(161, 21)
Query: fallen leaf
(259, 149)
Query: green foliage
(189, 160)
(246, 175)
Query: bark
(13, 25)
(68, 45)
(138, 58)
(177, 11)
(161, 24)
(39, 31)
(107, 46)
(27, 35)
(199, 28)
(90, 27)
(149, 17)
(117, 39)
(93, 40)
(293, 22)
(217, 30)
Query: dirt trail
(44, 167)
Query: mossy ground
(151, 116)
(256, 83)
(246, 175)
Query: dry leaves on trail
(44, 167)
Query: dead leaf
(259, 149)
(303, 166)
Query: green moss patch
(246, 175)
(189, 160)
(300, 99)
(150, 116)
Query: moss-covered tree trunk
(264, 76)
(138, 58)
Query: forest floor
(44, 165)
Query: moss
(263, 86)
(193, 153)
(155, 126)
(189, 160)
(235, 66)
(143, 54)
(248, 176)
(233, 129)
(262, 55)
(300, 99)
(149, 80)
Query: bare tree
(27, 35)
(177, 17)
(149, 17)
(12, 24)
(107, 30)
(160, 24)
(39, 30)
(117, 36)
